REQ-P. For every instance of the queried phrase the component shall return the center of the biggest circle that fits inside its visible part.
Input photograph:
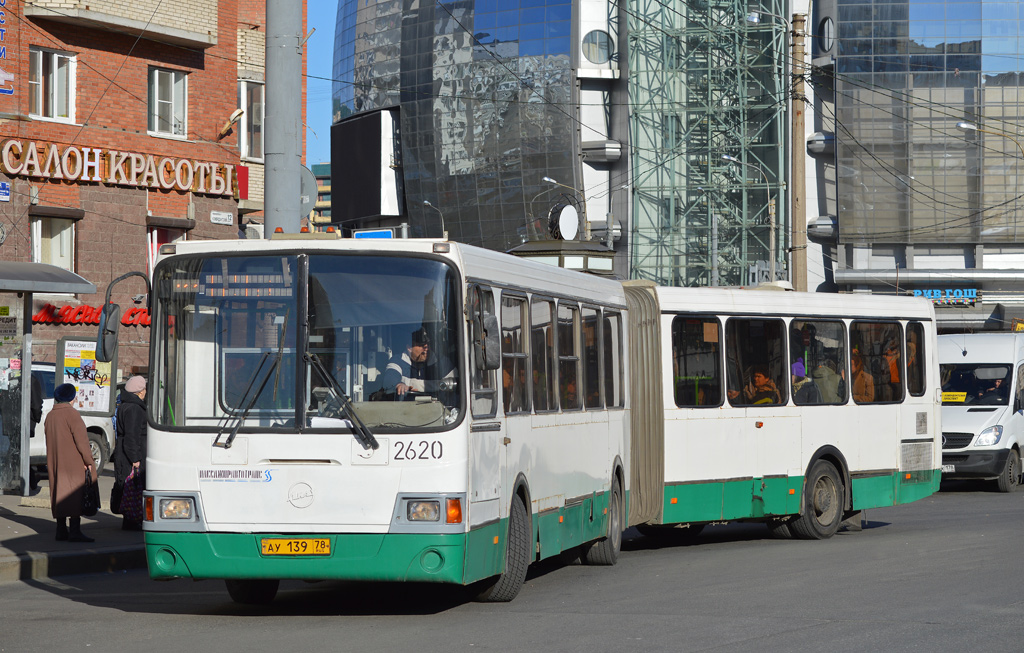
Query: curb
(27, 566)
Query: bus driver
(406, 371)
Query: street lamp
(771, 212)
(444, 232)
(583, 203)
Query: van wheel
(823, 504)
(1009, 480)
(506, 585)
(98, 449)
(252, 592)
(606, 550)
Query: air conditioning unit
(253, 231)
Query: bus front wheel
(823, 504)
(252, 592)
(507, 584)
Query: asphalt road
(937, 575)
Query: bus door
(487, 432)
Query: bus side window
(513, 355)
(590, 339)
(612, 369)
(542, 343)
(915, 359)
(817, 359)
(756, 359)
(568, 356)
(876, 362)
(696, 361)
(484, 404)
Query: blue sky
(320, 48)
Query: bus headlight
(423, 510)
(989, 436)
(176, 509)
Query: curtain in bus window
(756, 362)
(513, 355)
(876, 362)
(696, 361)
(568, 356)
(542, 343)
(589, 338)
(915, 359)
(613, 395)
(817, 361)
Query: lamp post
(771, 212)
(444, 232)
(583, 202)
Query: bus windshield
(238, 339)
(984, 384)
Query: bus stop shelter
(19, 281)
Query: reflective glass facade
(484, 94)
(906, 74)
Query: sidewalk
(29, 550)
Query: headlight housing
(989, 436)
(177, 509)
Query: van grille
(956, 440)
(952, 459)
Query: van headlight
(176, 509)
(989, 436)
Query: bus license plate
(293, 546)
(948, 469)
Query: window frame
(841, 367)
(573, 357)
(877, 385)
(779, 378)
(37, 242)
(47, 84)
(246, 121)
(482, 387)
(521, 354)
(705, 318)
(551, 376)
(615, 375)
(154, 101)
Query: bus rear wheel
(823, 504)
(606, 550)
(507, 584)
(252, 592)
(1009, 480)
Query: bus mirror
(488, 354)
(106, 340)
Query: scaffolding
(707, 80)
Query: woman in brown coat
(67, 460)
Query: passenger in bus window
(830, 383)
(406, 371)
(863, 384)
(760, 390)
(805, 392)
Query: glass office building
(929, 162)
(487, 118)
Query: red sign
(50, 314)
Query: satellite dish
(565, 222)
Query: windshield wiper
(240, 419)
(361, 432)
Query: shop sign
(50, 314)
(72, 163)
(950, 296)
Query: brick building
(124, 126)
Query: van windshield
(978, 384)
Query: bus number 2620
(422, 450)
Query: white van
(982, 402)
(100, 429)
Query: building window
(168, 97)
(250, 100)
(51, 83)
(53, 242)
(158, 236)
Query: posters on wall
(90, 377)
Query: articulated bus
(420, 410)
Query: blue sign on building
(5, 191)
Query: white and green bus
(406, 410)
(795, 409)
(420, 410)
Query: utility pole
(283, 97)
(798, 252)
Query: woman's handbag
(90, 496)
(131, 497)
(115, 497)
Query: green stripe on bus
(754, 498)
